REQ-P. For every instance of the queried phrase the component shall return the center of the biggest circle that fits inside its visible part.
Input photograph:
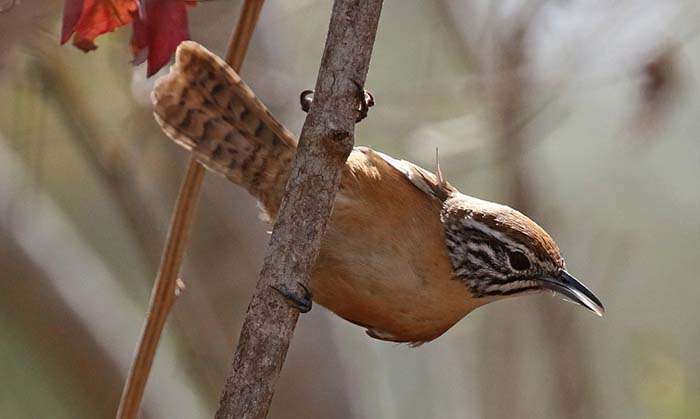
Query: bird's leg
(299, 298)
(365, 97)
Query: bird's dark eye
(518, 261)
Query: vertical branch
(572, 387)
(501, 342)
(326, 141)
(163, 294)
(571, 382)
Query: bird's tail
(204, 106)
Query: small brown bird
(405, 255)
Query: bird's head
(497, 252)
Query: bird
(405, 254)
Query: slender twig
(325, 143)
(163, 293)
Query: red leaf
(71, 13)
(88, 19)
(159, 28)
(159, 25)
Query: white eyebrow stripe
(484, 247)
(501, 237)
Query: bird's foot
(305, 99)
(299, 297)
(366, 100)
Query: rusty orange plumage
(406, 255)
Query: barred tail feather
(205, 107)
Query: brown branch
(570, 382)
(163, 294)
(326, 141)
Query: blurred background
(584, 114)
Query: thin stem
(325, 143)
(163, 293)
(238, 44)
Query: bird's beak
(572, 288)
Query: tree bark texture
(326, 141)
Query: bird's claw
(366, 100)
(299, 298)
(305, 99)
